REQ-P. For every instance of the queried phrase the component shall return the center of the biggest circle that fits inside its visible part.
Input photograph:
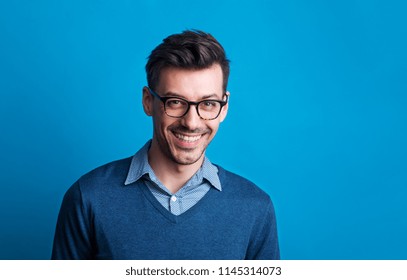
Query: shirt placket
(175, 204)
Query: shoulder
(239, 186)
(246, 198)
(109, 175)
(113, 169)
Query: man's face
(184, 140)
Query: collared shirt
(193, 191)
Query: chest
(141, 228)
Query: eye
(175, 103)
(209, 104)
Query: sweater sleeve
(264, 242)
(72, 238)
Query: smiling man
(169, 201)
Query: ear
(147, 100)
(225, 108)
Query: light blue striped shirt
(194, 190)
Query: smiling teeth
(187, 138)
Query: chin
(188, 159)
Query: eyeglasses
(176, 107)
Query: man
(169, 201)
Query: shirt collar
(139, 167)
(210, 173)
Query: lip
(187, 141)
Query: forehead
(191, 84)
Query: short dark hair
(191, 49)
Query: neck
(172, 174)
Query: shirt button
(173, 198)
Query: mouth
(187, 138)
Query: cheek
(214, 127)
(161, 124)
(157, 125)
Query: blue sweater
(101, 218)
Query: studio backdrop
(317, 114)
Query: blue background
(317, 112)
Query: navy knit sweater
(101, 218)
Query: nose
(191, 120)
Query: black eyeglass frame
(196, 104)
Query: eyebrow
(173, 94)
